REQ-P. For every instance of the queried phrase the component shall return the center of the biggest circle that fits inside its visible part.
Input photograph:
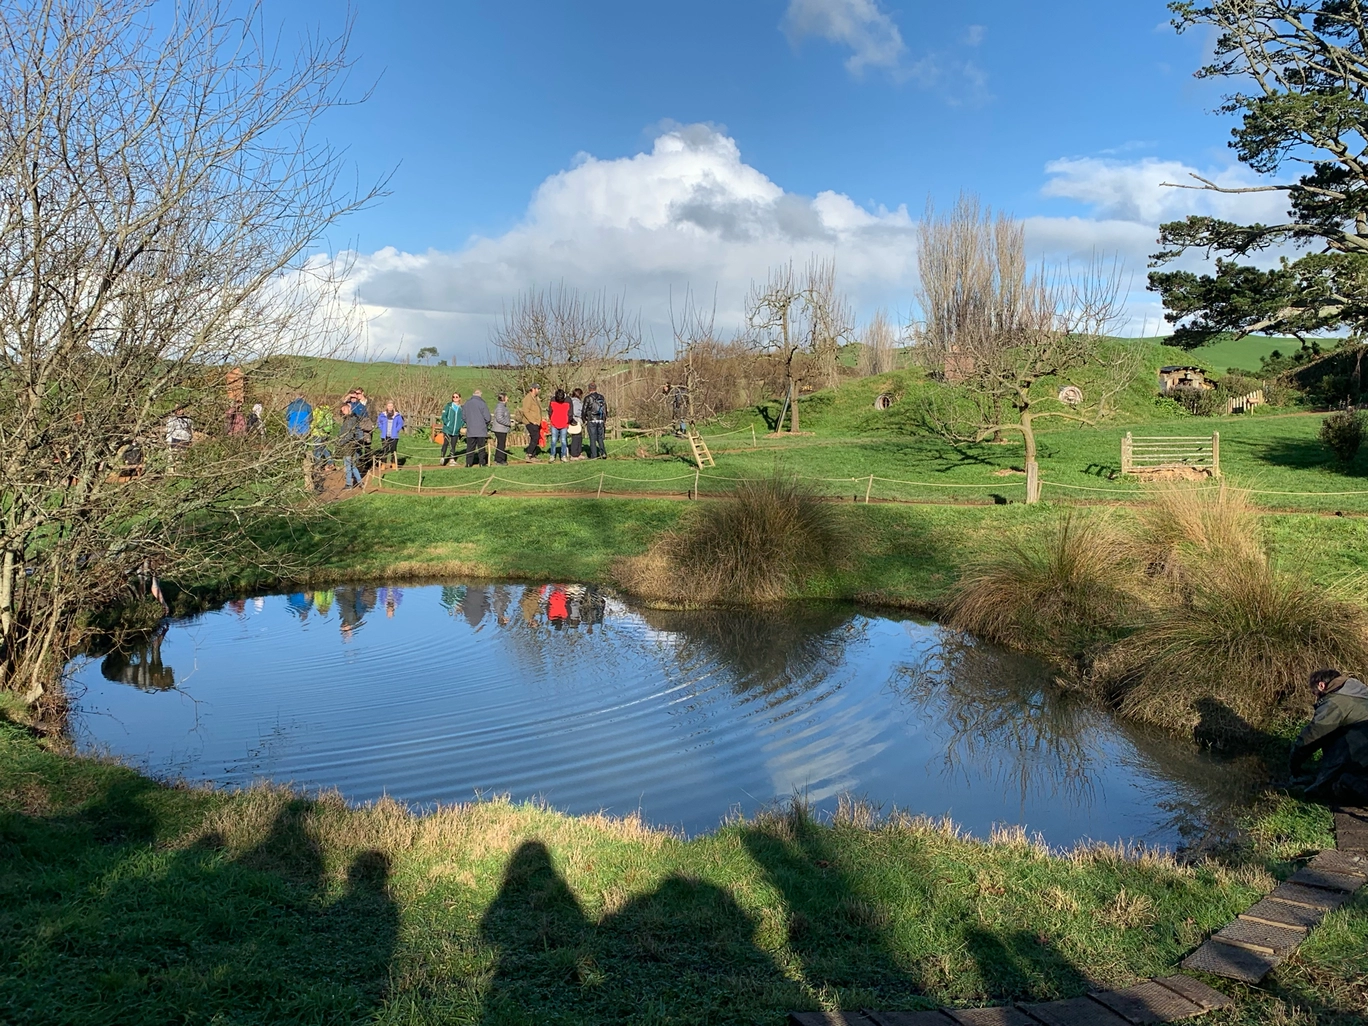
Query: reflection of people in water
(323, 601)
(352, 606)
(476, 605)
(557, 608)
(238, 606)
(453, 598)
(140, 665)
(300, 603)
(390, 597)
(503, 596)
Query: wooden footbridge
(1246, 950)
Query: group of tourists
(571, 424)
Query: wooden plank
(1328, 881)
(1283, 913)
(1147, 1003)
(933, 1018)
(1270, 940)
(1081, 1011)
(1313, 897)
(1349, 862)
(1196, 991)
(827, 1019)
(1001, 1015)
(1351, 829)
(1231, 962)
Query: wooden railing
(1148, 453)
(1243, 403)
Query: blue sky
(636, 146)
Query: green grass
(1245, 353)
(125, 901)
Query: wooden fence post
(486, 484)
(696, 473)
(869, 488)
(1126, 452)
(1215, 454)
(420, 477)
(600, 488)
(752, 436)
(1032, 482)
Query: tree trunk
(1032, 467)
(793, 407)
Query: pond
(567, 694)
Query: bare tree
(554, 337)
(163, 196)
(791, 316)
(878, 349)
(995, 330)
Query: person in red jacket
(559, 416)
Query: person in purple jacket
(389, 423)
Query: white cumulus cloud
(689, 212)
(870, 34)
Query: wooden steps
(702, 457)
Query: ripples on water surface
(560, 692)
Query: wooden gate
(1148, 454)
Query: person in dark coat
(477, 420)
(595, 413)
(1339, 731)
(349, 445)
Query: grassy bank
(124, 901)
(906, 555)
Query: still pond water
(566, 694)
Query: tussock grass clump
(1229, 637)
(1242, 641)
(756, 545)
(1058, 594)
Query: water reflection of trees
(774, 652)
(1005, 718)
(1008, 721)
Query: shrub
(1058, 594)
(1243, 642)
(753, 546)
(1342, 434)
(1188, 526)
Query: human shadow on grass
(197, 933)
(683, 953)
(847, 937)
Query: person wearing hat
(1339, 731)
(452, 420)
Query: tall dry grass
(757, 545)
(1228, 630)
(1059, 594)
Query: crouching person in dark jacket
(1339, 731)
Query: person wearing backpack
(452, 420)
(348, 444)
(531, 413)
(595, 412)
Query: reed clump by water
(1058, 594)
(1182, 619)
(759, 544)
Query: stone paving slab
(1082, 1011)
(1313, 897)
(1209, 998)
(932, 1018)
(1231, 962)
(1002, 1015)
(1349, 862)
(1329, 881)
(827, 1019)
(1148, 1003)
(1283, 913)
(1351, 829)
(1271, 940)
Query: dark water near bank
(563, 693)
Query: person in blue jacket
(389, 423)
(299, 417)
